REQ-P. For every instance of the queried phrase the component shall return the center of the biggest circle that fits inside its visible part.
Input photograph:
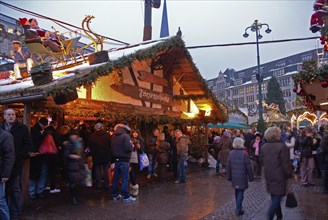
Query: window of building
(238, 82)
(281, 64)
(235, 92)
(249, 89)
(241, 74)
(10, 30)
(278, 72)
(307, 57)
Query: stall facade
(155, 81)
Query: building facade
(240, 88)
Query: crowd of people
(281, 152)
(60, 157)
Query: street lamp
(256, 27)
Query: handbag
(144, 161)
(291, 201)
(48, 145)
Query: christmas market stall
(153, 82)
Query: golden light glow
(192, 111)
(324, 117)
(308, 116)
(207, 112)
(190, 114)
(293, 119)
(324, 103)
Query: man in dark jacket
(7, 159)
(121, 145)
(38, 169)
(151, 150)
(277, 170)
(23, 144)
(99, 144)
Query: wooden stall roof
(184, 70)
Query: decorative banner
(151, 78)
(143, 94)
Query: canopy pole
(26, 166)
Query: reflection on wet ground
(204, 196)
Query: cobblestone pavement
(205, 196)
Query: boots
(73, 196)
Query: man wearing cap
(121, 145)
(22, 144)
(22, 57)
(38, 169)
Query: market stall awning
(170, 52)
(229, 125)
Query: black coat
(22, 143)
(99, 144)
(121, 144)
(307, 147)
(7, 153)
(36, 161)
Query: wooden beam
(26, 166)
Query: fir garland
(310, 72)
(122, 62)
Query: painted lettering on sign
(143, 94)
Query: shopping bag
(144, 161)
(88, 178)
(48, 145)
(291, 201)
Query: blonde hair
(238, 143)
(272, 134)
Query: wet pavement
(205, 196)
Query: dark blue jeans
(121, 170)
(182, 175)
(13, 191)
(4, 211)
(275, 208)
(239, 195)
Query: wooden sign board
(151, 78)
(143, 94)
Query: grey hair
(238, 143)
(272, 134)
